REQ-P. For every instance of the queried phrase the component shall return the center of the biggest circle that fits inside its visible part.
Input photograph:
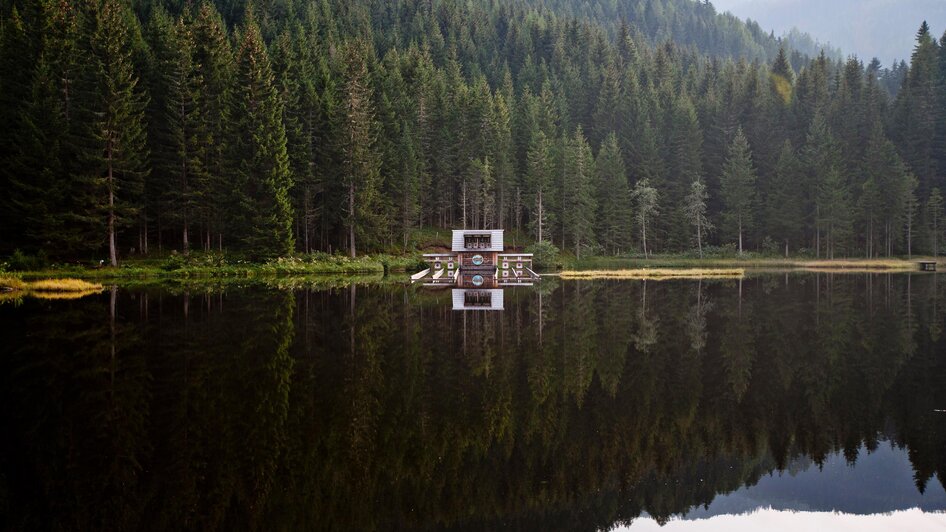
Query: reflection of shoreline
(881, 481)
(582, 405)
(913, 519)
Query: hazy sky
(869, 28)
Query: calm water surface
(582, 405)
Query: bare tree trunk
(740, 236)
(464, 204)
(541, 215)
(351, 223)
(644, 237)
(187, 245)
(112, 251)
(699, 236)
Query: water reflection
(374, 406)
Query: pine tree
(784, 214)
(214, 61)
(16, 68)
(910, 208)
(360, 161)
(539, 183)
(578, 201)
(820, 156)
(261, 208)
(834, 212)
(613, 197)
(695, 211)
(116, 150)
(737, 188)
(685, 163)
(916, 110)
(934, 210)
(181, 161)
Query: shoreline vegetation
(215, 266)
(657, 274)
(13, 287)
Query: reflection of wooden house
(477, 258)
(477, 299)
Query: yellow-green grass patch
(62, 285)
(657, 273)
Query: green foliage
(737, 188)
(21, 262)
(544, 254)
(335, 125)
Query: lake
(373, 405)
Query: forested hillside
(293, 126)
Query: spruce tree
(116, 150)
(539, 183)
(360, 161)
(262, 212)
(934, 211)
(783, 210)
(737, 188)
(213, 58)
(181, 161)
(578, 200)
(613, 197)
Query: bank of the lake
(750, 262)
(215, 266)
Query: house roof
(496, 239)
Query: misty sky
(869, 28)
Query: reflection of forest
(580, 406)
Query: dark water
(581, 405)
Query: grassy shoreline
(749, 263)
(218, 268)
(182, 268)
(657, 274)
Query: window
(477, 241)
(477, 260)
(477, 280)
(478, 298)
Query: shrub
(20, 261)
(544, 254)
(173, 263)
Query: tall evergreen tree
(360, 161)
(539, 183)
(934, 210)
(578, 203)
(784, 215)
(116, 149)
(613, 197)
(737, 187)
(261, 208)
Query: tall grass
(657, 274)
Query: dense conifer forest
(271, 128)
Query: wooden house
(477, 259)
